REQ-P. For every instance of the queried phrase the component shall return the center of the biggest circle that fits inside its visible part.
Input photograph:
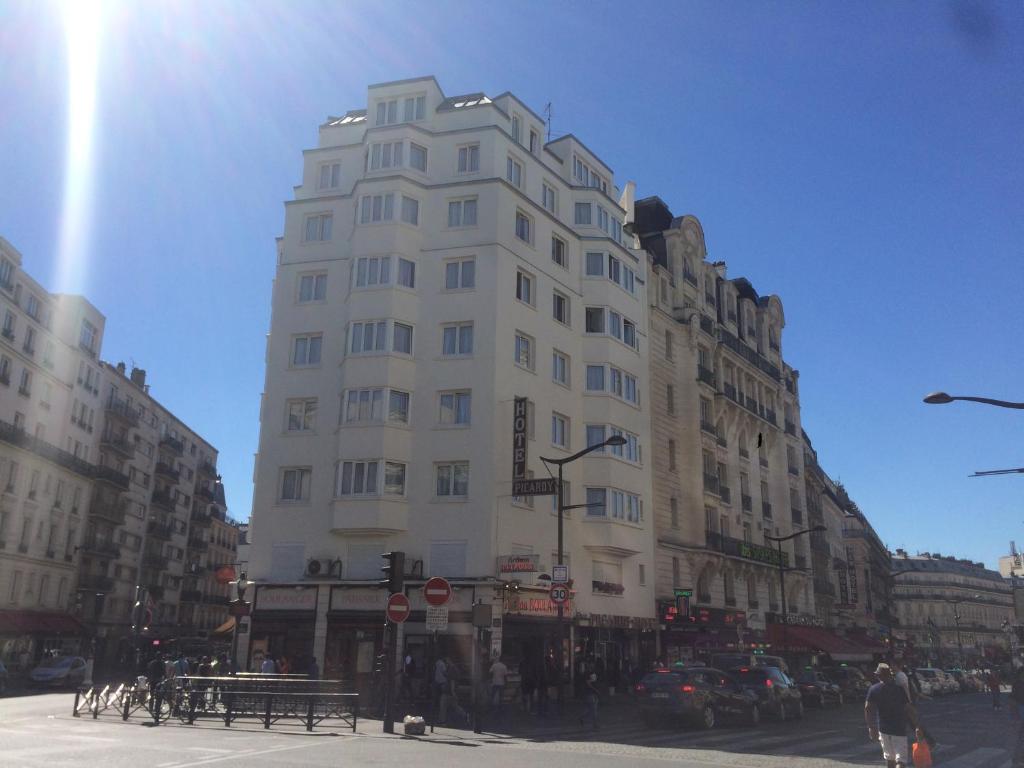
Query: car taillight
(687, 688)
(767, 683)
(640, 688)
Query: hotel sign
(518, 564)
(519, 424)
(762, 554)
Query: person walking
(499, 676)
(313, 670)
(994, 684)
(887, 710)
(268, 667)
(591, 697)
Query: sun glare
(82, 28)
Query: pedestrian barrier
(265, 698)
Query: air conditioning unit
(323, 569)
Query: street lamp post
(941, 398)
(782, 575)
(241, 585)
(956, 621)
(614, 440)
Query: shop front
(705, 633)
(528, 630)
(802, 639)
(26, 636)
(355, 635)
(616, 648)
(283, 625)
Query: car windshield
(664, 678)
(63, 661)
(750, 676)
(808, 677)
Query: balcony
(28, 349)
(770, 416)
(123, 410)
(8, 334)
(751, 405)
(707, 426)
(191, 596)
(164, 500)
(798, 515)
(763, 460)
(730, 546)
(107, 549)
(748, 354)
(710, 483)
(824, 587)
(690, 278)
(95, 581)
(155, 561)
(766, 509)
(205, 493)
(111, 476)
(24, 391)
(706, 375)
(161, 531)
(745, 502)
(173, 444)
(790, 387)
(118, 444)
(794, 471)
(206, 467)
(744, 453)
(789, 427)
(730, 601)
(200, 518)
(730, 391)
(198, 545)
(753, 603)
(87, 349)
(724, 493)
(111, 510)
(166, 470)
(731, 316)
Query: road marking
(209, 760)
(213, 749)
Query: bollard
(266, 718)
(78, 695)
(229, 698)
(127, 701)
(309, 715)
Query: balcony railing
(801, 561)
(737, 548)
(165, 469)
(165, 500)
(102, 548)
(763, 461)
(795, 471)
(745, 502)
(207, 468)
(789, 427)
(690, 278)
(200, 517)
(752, 603)
(744, 453)
(707, 426)
(204, 493)
(766, 509)
(724, 492)
(158, 530)
(7, 333)
(748, 354)
(173, 444)
(121, 408)
(706, 375)
(111, 510)
(770, 416)
(751, 405)
(95, 581)
(155, 561)
(789, 387)
(710, 483)
(824, 587)
(118, 444)
(731, 316)
(198, 545)
(730, 391)
(707, 325)
(17, 436)
(112, 476)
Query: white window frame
(531, 351)
(566, 318)
(332, 171)
(529, 295)
(527, 220)
(410, 211)
(385, 155)
(468, 159)
(414, 149)
(457, 333)
(549, 197)
(514, 172)
(560, 359)
(322, 224)
(308, 338)
(452, 468)
(561, 430)
(458, 213)
(317, 287)
(449, 410)
(583, 214)
(302, 481)
(564, 263)
(461, 274)
(373, 212)
(371, 272)
(306, 415)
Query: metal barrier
(269, 699)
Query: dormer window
(413, 108)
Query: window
(410, 210)
(630, 451)
(460, 275)
(417, 157)
(457, 339)
(669, 351)
(560, 368)
(673, 512)
(514, 172)
(406, 273)
(559, 430)
(387, 155)
(595, 265)
(523, 226)
(583, 214)
(596, 436)
(452, 479)
(548, 199)
(387, 112)
(597, 502)
(671, 454)
(558, 252)
(313, 287)
(372, 270)
(560, 308)
(415, 108)
(6, 273)
(462, 213)
(25, 388)
(302, 415)
(675, 572)
(534, 141)
(368, 337)
(469, 158)
(524, 351)
(602, 218)
(375, 208)
(517, 129)
(670, 399)
(402, 339)
(621, 275)
(455, 408)
(32, 307)
(587, 177)
(295, 484)
(306, 350)
(595, 378)
(330, 176)
(318, 227)
(87, 339)
(594, 319)
(524, 288)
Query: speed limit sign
(559, 594)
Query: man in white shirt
(499, 674)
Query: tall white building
(439, 260)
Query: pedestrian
(591, 696)
(268, 667)
(181, 665)
(994, 684)
(527, 683)
(154, 671)
(499, 675)
(313, 670)
(901, 679)
(441, 688)
(887, 710)
(284, 666)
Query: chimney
(120, 368)
(139, 377)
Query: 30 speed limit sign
(559, 594)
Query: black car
(699, 695)
(817, 690)
(779, 696)
(850, 680)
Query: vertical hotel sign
(519, 439)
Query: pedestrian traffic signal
(394, 572)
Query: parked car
(817, 690)
(779, 696)
(59, 670)
(850, 680)
(933, 681)
(3, 679)
(961, 679)
(699, 695)
(771, 661)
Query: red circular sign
(398, 608)
(559, 594)
(437, 591)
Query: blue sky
(861, 160)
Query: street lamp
(614, 440)
(956, 620)
(941, 398)
(241, 585)
(782, 575)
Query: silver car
(66, 671)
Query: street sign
(238, 608)
(398, 608)
(437, 591)
(559, 594)
(541, 486)
(560, 574)
(437, 618)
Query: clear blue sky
(861, 160)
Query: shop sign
(518, 564)
(358, 599)
(762, 554)
(529, 605)
(519, 419)
(796, 619)
(286, 598)
(844, 589)
(854, 598)
(619, 622)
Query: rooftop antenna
(547, 116)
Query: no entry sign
(398, 608)
(437, 591)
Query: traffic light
(394, 571)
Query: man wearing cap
(887, 710)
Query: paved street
(39, 731)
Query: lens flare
(82, 28)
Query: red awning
(39, 623)
(794, 637)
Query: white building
(439, 260)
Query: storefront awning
(815, 640)
(39, 623)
